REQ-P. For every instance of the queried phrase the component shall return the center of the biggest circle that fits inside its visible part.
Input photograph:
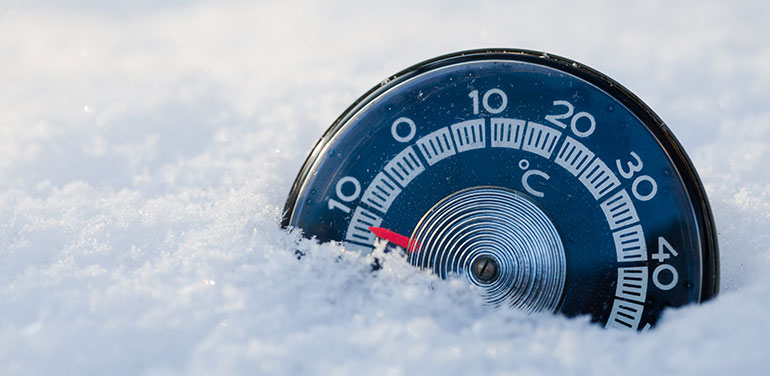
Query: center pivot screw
(485, 269)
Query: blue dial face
(541, 181)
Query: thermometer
(543, 182)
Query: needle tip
(393, 237)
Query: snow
(146, 151)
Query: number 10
(474, 95)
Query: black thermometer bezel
(668, 142)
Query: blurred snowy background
(146, 149)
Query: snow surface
(146, 151)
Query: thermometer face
(542, 182)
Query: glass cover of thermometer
(541, 181)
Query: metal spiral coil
(500, 240)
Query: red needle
(395, 238)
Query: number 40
(661, 256)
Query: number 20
(573, 124)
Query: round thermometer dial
(544, 183)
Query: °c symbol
(525, 181)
